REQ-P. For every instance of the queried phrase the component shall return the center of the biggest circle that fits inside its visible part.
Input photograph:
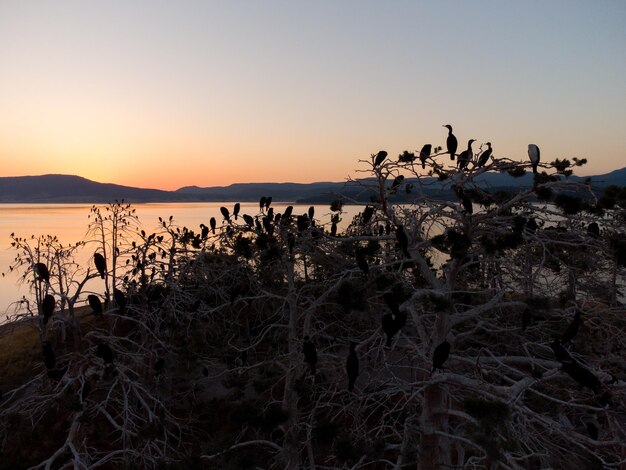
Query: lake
(69, 223)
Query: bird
(104, 352)
(592, 430)
(262, 203)
(451, 142)
(397, 181)
(560, 353)
(582, 375)
(403, 240)
(390, 327)
(526, 319)
(288, 212)
(352, 366)
(101, 264)
(268, 201)
(310, 354)
(120, 299)
(572, 328)
(47, 307)
(249, 220)
(534, 155)
(424, 154)
(380, 156)
(362, 262)
(392, 303)
(593, 230)
(225, 213)
(205, 231)
(484, 157)
(236, 210)
(95, 303)
(42, 271)
(368, 212)
(440, 355)
(49, 359)
(466, 201)
(213, 223)
(465, 156)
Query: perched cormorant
(120, 300)
(571, 329)
(236, 210)
(268, 201)
(380, 156)
(104, 352)
(397, 181)
(593, 230)
(362, 262)
(582, 375)
(95, 303)
(47, 307)
(225, 213)
(49, 359)
(465, 156)
(560, 353)
(288, 212)
(249, 220)
(484, 157)
(403, 240)
(213, 224)
(440, 355)
(352, 366)
(592, 430)
(205, 231)
(101, 264)
(392, 303)
(310, 354)
(390, 327)
(333, 229)
(368, 212)
(42, 271)
(262, 203)
(534, 155)
(424, 154)
(451, 142)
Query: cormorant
(466, 155)
(582, 375)
(288, 212)
(380, 156)
(592, 430)
(362, 262)
(534, 155)
(302, 222)
(249, 220)
(120, 300)
(225, 213)
(205, 231)
(49, 359)
(424, 154)
(101, 264)
(42, 271)
(310, 354)
(95, 303)
(352, 366)
(205, 371)
(571, 329)
(236, 210)
(333, 229)
(451, 142)
(440, 355)
(390, 327)
(268, 201)
(403, 240)
(104, 352)
(560, 353)
(593, 230)
(392, 303)
(311, 212)
(47, 307)
(368, 212)
(262, 203)
(213, 224)
(397, 181)
(484, 157)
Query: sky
(166, 94)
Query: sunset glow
(163, 95)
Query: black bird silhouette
(225, 213)
(42, 271)
(333, 229)
(440, 355)
(205, 231)
(526, 319)
(49, 359)
(572, 328)
(484, 157)
(101, 264)
(47, 307)
(451, 142)
(362, 262)
(95, 303)
(380, 156)
(403, 240)
(288, 212)
(592, 430)
(352, 366)
(268, 201)
(310, 354)
(368, 212)
(534, 155)
(465, 156)
(593, 230)
(213, 224)
(397, 181)
(236, 210)
(262, 203)
(311, 212)
(582, 375)
(120, 300)
(424, 154)
(104, 352)
(205, 371)
(390, 327)
(560, 353)
(392, 303)
(249, 220)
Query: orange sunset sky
(167, 94)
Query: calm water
(69, 223)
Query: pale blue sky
(165, 94)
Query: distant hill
(67, 189)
